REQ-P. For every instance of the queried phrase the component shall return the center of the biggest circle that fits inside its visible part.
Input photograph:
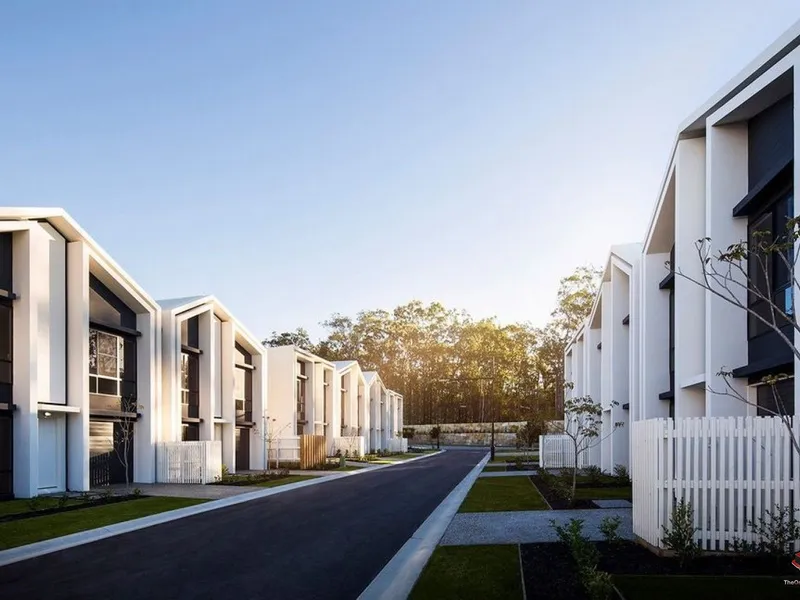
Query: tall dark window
(190, 369)
(326, 390)
(243, 384)
(190, 432)
(776, 400)
(768, 271)
(301, 397)
(106, 363)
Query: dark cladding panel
(105, 307)
(770, 139)
(5, 262)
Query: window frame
(119, 358)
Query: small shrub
(621, 474)
(561, 489)
(584, 553)
(594, 474)
(546, 477)
(776, 531)
(136, 492)
(34, 503)
(565, 473)
(680, 536)
(63, 499)
(106, 494)
(597, 583)
(520, 464)
(609, 527)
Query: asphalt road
(324, 541)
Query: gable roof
(66, 226)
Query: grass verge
(667, 587)
(464, 572)
(603, 493)
(492, 468)
(502, 493)
(286, 480)
(36, 529)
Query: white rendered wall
(260, 408)
(281, 365)
(655, 337)
(228, 366)
(726, 325)
(690, 310)
(620, 348)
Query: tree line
(452, 368)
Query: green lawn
(606, 493)
(35, 529)
(530, 458)
(285, 480)
(467, 572)
(15, 507)
(490, 494)
(646, 587)
(491, 468)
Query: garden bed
(251, 478)
(587, 489)
(550, 573)
(51, 505)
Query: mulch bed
(525, 467)
(51, 511)
(550, 572)
(555, 501)
(630, 558)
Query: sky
(299, 159)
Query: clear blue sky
(302, 158)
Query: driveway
(325, 541)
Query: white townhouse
(352, 409)
(377, 437)
(214, 384)
(731, 174)
(79, 360)
(397, 443)
(598, 358)
(301, 387)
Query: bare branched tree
(123, 440)
(583, 425)
(746, 275)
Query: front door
(6, 456)
(107, 452)
(242, 449)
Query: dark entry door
(107, 452)
(242, 449)
(6, 456)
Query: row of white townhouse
(652, 350)
(90, 364)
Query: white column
(620, 348)
(654, 324)
(260, 406)
(207, 389)
(228, 333)
(690, 313)
(147, 377)
(78, 366)
(726, 325)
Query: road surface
(325, 541)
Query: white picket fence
(351, 445)
(557, 451)
(731, 469)
(188, 462)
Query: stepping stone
(616, 503)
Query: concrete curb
(398, 577)
(21, 553)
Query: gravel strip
(528, 526)
(613, 503)
(507, 473)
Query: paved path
(527, 526)
(508, 473)
(325, 541)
